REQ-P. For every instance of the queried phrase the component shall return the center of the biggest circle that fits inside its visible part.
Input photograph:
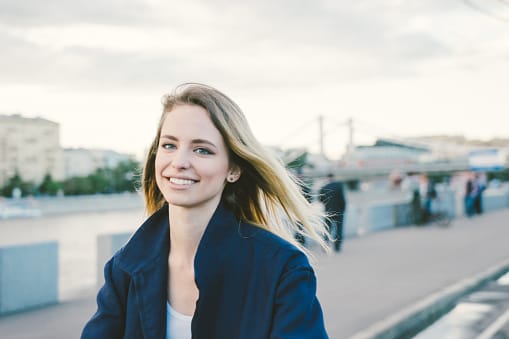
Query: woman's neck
(186, 230)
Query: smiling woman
(217, 257)
(192, 162)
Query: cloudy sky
(397, 68)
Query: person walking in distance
(479, 185)
(469, 196)
(333, 198)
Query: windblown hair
(266, 194)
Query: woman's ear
(234, 174)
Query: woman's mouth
(179, 181)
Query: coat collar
(145, 259)
(151, 243)
(212, 250)
(148, 245)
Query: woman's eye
(168, 146)
(203, 151)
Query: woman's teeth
(181, 181)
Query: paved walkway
(380, 274)
(374, 277)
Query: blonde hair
(266, 194)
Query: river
(77, 235)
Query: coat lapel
(151, 295)
(145, 259)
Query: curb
(413, 319)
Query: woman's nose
(180, 159)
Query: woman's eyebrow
(194, 141)
(203, 141)
(167, 136)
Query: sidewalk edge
(421, 314)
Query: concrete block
(351, 221)
(446, 202)
(403, 214)
(494, 201)
(107, 245)
(28, 276)
(381, 216)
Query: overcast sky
(397, 68)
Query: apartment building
(31, 147)
(80, 162)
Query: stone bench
(28, 276)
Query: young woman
(217, 257)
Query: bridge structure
(364, 173)
(440, 155)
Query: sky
(396, 68)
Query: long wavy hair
(266, 194)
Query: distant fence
(386, 215)
(34, 207)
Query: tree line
(122, 178)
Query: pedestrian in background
(217, 258)
(478, 187)
(428, 193)
(469, 196)
(333, 198)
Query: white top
(178, 325)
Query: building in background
(488, 159)
(457, 151)
(80, 162)
(444, 148)
(385, 153)
(31, 148)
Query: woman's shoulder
(271, 244)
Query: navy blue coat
(252, 284)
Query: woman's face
(192, 159)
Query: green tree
(77, 186)
(122, 178)
(16, 182)
(49, 186)
(101, 181)
(298, 162)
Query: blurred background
(386, 95)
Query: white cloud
(283, 61)
(64, 12)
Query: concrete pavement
(483, 314)
(372, 285)
(62, 321)
(379, 278)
